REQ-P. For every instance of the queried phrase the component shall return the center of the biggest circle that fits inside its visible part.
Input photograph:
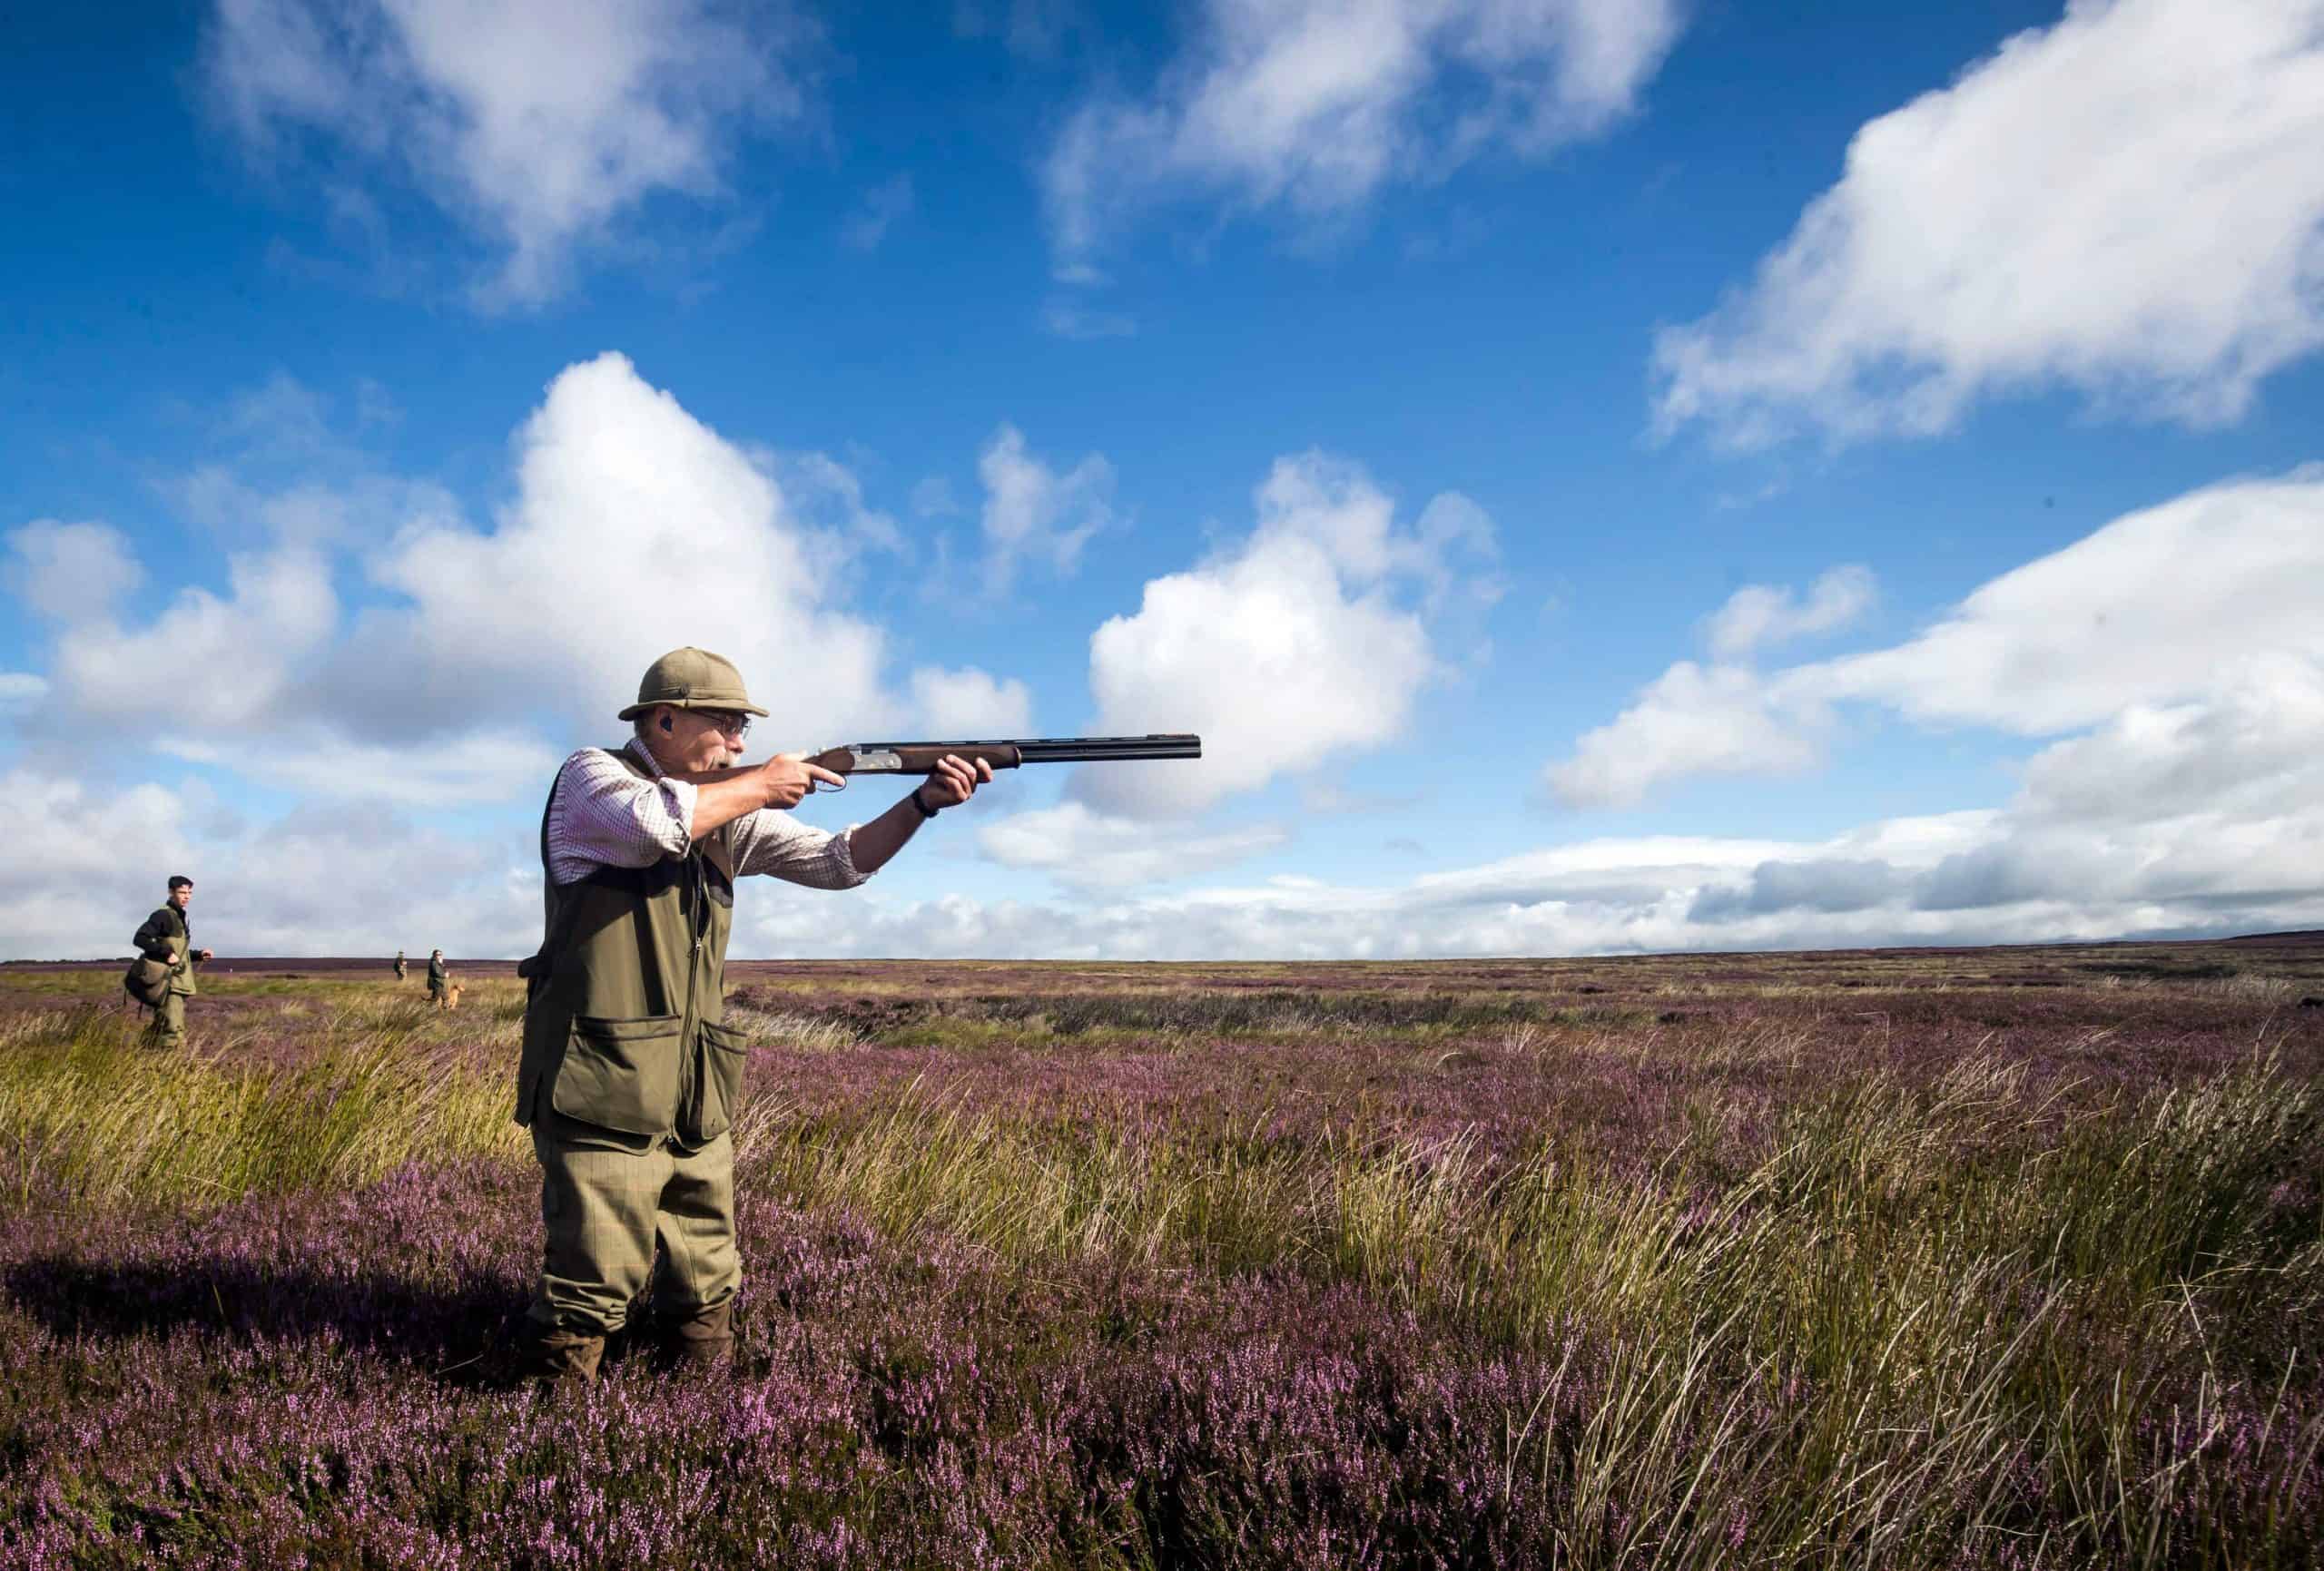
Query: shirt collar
(639, 751)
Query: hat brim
(635, 710)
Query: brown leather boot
(703, 1340)
(557, 1358)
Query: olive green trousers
(607, 1199)
(167, 1026)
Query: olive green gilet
(626, 1003)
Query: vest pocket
(720, 1054)
(621, 1073)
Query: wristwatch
(925, 810)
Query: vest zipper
(687, 1089)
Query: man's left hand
(954, 782)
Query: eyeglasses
(732, 722)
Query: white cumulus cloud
(68, 571)
(81, 886)
(1692, 719)
(970, 704)
(2129, 203)
(539, 121)
(1307, 641)
(631, 528)
(2155, 610)
(2144, 610)
(1759, 615)
(208, 660)
(1314, 105)
(1032, 511)
(480, 767)
(2250, 743)
(21, 690)
(635, 529)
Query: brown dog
(451, 999)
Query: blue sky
(1601, 475)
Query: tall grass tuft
(1937, 1319)
(86, 1109)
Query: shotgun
(921, 756)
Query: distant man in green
(439, 979)
(630, 1078)
(167, 937)
(401, 969)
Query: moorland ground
(1937, 1258)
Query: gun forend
(921, 756)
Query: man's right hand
(787, 778)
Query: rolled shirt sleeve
(773, 842)
(605, 816)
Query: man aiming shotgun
(629, 1077)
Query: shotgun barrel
(921, 756)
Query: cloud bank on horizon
(2172, 654)
(2121, 205)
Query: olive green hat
(692, 678)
